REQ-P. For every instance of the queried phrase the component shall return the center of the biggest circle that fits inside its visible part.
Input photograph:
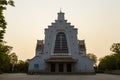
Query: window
(61, 43)
(36, 66)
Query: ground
(20, 76)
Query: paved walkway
(20, 76)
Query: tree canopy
(3, 23)
(93, 57)
(4, 49)
(13, 60)
(115, 48)
(112, 61)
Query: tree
(4, 49)
(93, 57)
(115, 48)
(106, 63)
(22, 66)
(110, 62)
(3, 23)
(4, 57)
(13, 60)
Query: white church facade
(61, 51)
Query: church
(61, 51)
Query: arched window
(61, 43)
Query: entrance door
(69, 67)
(53, 67)
(61, 67)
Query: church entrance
(69, 67)
(61, 67)
(52, 67)
(60, 64)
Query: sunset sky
(98, 22)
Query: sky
(98, 23)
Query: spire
(60, 10)
(60, 15)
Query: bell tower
(60, 15)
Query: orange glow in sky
(98, 22)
